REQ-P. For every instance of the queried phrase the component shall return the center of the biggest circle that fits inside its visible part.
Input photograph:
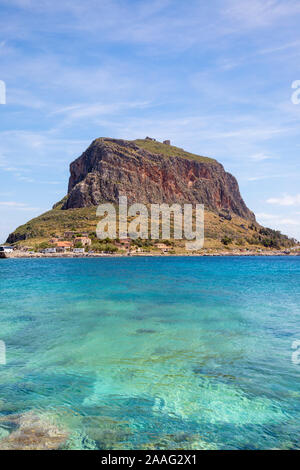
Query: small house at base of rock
(78, 250)
(49, 250)
(163, 246)
(124, 243)
(61, 247)
(85, 241)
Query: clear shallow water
(163, 353)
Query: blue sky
(214, 77)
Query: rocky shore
(21, 254)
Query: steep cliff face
(110, 168)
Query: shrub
(270, 243)
(42, 246)
(226, 240)
(78, 245)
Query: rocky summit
(147, 171)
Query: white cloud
(149, 23)
(262, 177)
(277, 219)
(82, 111)
(24, 98)
(12, 204)
(285, 200)
(18, 173)
(286, 224)
(18, 206)
(265, 216)
(29, 150)
(282, 47)
(290, 222)
(260, 13)
(259, 157)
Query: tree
(43, 246)
(78, 245)
(226, 240)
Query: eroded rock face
(110, 168)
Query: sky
(213, 77)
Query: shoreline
(24, 255)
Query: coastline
(24, 255)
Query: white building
(49, 250)
(6, 249)
(78, 250)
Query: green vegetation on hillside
(59, 204)
(219, 232)
(170, 151)
(55, 222)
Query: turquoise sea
(162, 353)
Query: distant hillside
(148, 171)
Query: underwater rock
(108, 433)
(179, 441)
(79, 441)
(6, 406)
(145, 330)
(3, 433)
(31, 432)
